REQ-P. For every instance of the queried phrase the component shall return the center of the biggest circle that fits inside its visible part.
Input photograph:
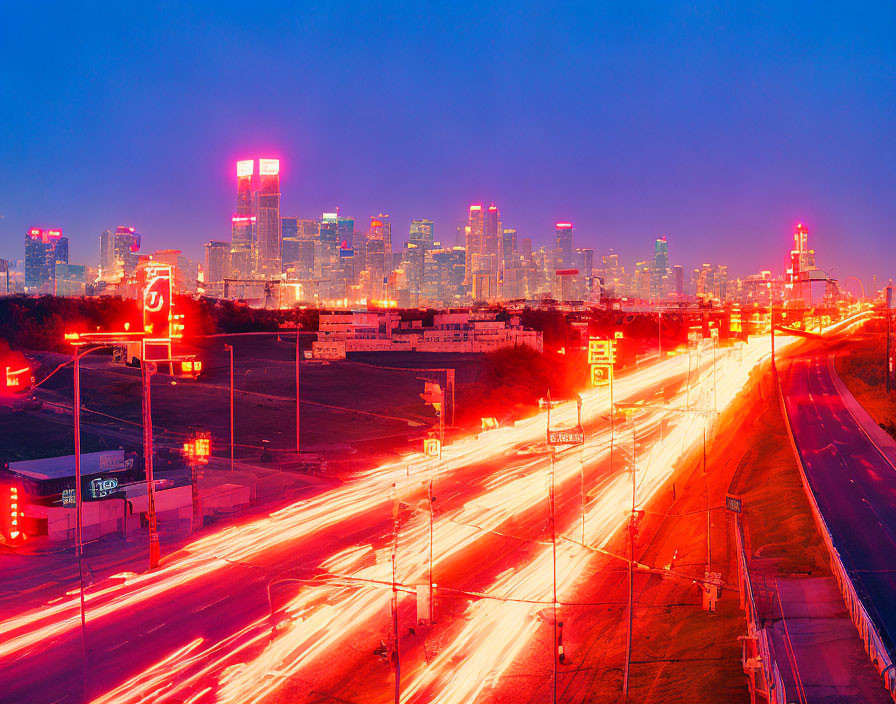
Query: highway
(853, 482)
(199, 629)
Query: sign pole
(298, 356)
(148, 370)
(554, 652)
(229, 348)
(79, 519)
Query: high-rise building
(474, 234)
(44, 249)
(492, 238)
(678, 281)
(660, 268)
(267, 212)
(119, 253)
(802, 261)
(242, 239)
(217, 261)
(564, 233)
(420, 243)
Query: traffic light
(198, 448)
(432, 395)
(11, 528)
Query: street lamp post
(229, 348)
(78, 516)
(298, 357)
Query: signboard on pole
(155, 303)
(574, 436)
(734, 504)
(601, 356)
(601, 374)
(431, 447)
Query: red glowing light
(564, 225)
(34, 232)
(475, 207)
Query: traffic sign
(431, 447)
(575, 436)
(734, 504)
(601, 374)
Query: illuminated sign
(431, 447)
(245, 168)
(601, 351)
(68, 497)
(566, 437)
(564, 225)
(601, 374)
(156, 300)
(100, 488)
(268, 167)
(488, 423)
(601, 356)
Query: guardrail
(758, 660)
(871, 639)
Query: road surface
(200, 629)
(853, 482)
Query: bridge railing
(758, 660)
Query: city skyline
(604, 134)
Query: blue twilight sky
(717, 124)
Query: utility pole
(79, 520)
(887, 370)
(149, 369)
(431, 522)
(298, 356)
(229, 348)
(631, 570)
(706, 486)
(396, 654)
(554, 650)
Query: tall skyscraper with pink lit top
(256, 227)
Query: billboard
(155, 303)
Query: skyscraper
(44, 249)
(119, 253)
(217, 261)
(473, 235)
(267, 213)
(660, 268)
(564, 234)
(242, 240)
(492, 237)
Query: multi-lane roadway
(201, 628)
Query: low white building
(462, 332)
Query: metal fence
(766, 683)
